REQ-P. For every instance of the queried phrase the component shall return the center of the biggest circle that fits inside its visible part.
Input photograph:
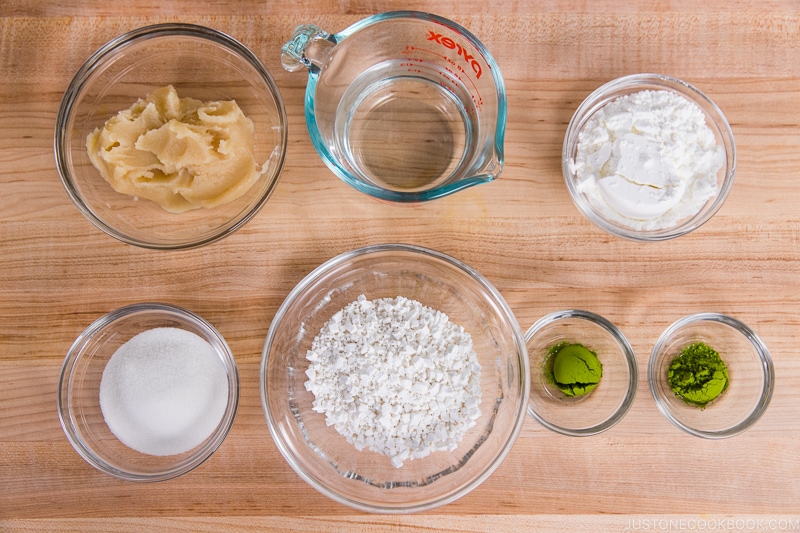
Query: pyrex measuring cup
(404, 106)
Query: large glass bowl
(79, 393)
(200, 63)
(367, 480)
(594, 207)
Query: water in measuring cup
(405, 127)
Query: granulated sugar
(396, 377)
(164, 391)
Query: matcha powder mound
(698, 375)
(576, 370)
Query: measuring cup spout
(309, 47)
(495, 160)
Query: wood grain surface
(58, 273)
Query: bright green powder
(698, 375)
(576, 370)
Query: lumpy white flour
(396, 377)
(648, 160)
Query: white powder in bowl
(164, 391)
(396, 377)
(648, 160)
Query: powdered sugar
(648, 160)
(396, 377)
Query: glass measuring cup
(404, 106)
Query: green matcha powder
(698, 375)
(574, 369)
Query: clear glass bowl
(364, 479)
(750, 373)
(599, 213)
(79, 393)
(600, 409)
(199, 62)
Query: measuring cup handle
(309, 47)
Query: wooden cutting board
(58, 273)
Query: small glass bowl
(200, 63)
(366, 480)
(750, 372)
(79, 393)
(600, 409)
(595, 209)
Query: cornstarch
(648, 160)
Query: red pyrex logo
(452, 45)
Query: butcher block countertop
(58, 273)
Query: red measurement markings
(419, 66)
(475, 93)
(447, 42)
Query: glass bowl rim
(75, 353)
(522, 358)
(630, 359)
(765, 360)
(100, 58)
(589, 107)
